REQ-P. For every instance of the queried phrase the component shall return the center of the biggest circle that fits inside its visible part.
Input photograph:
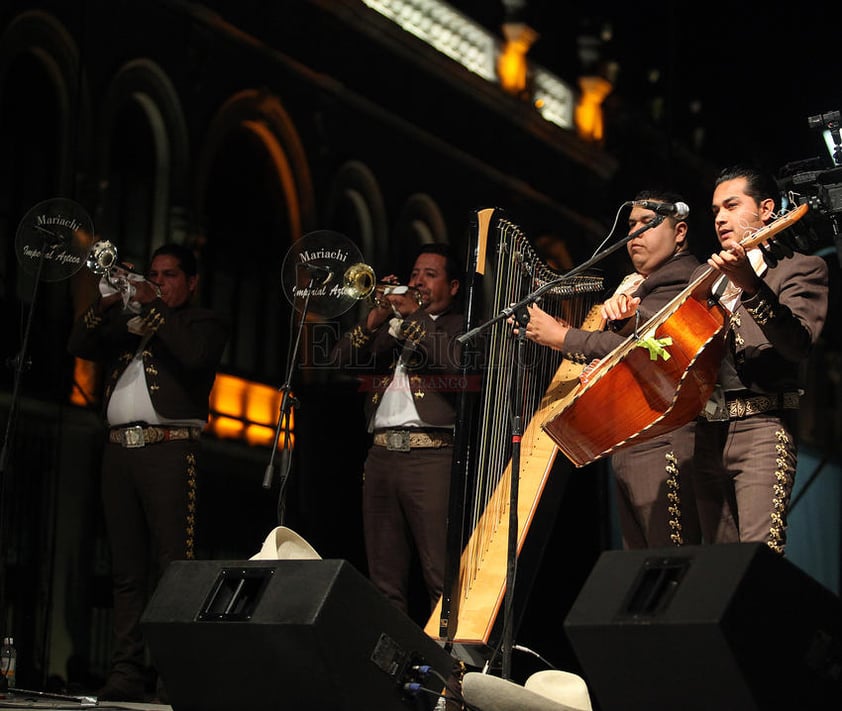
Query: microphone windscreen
(490, 693)
(682, 210)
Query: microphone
(678, 210)
(51, 238)
(324, 273)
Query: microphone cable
(628, 203)
(521, 648)
(423, 671)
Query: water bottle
(8, 661)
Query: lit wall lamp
(512, 67)
(588, 113)
(596, 82)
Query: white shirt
(130, 401)
(732, 293)
(397, 408)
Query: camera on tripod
(818, 182)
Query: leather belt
(738, 407)
(407, 439)
(135, 436)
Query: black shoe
(122, 689)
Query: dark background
(737, 80)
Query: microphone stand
(288, 402)
(522, 316)
(20, 362)
(514, 484)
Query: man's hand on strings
(734, 263)
(619, 307)
(543, 329)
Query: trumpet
(102, 260)
(359, 282)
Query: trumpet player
(160, 358)
(406, 353)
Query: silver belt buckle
(132, 437)
(397, 441)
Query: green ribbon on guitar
(655, 346)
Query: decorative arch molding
(420, 222)
(263, 114)
(145, 85)
(43, 37)
(145, 82)
(355, 185)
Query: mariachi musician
(160, 353)
(746, 447)
(653, 483)
(406, 348)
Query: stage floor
(19, 700)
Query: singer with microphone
(159, 356)
(653, 481)
(407, 357)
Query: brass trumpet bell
(360, 282)
(102, 258)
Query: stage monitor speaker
(727, 627)
(290, 634)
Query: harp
(503, 268)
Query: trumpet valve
(384, 290)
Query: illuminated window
(240, 409)
(445, 29)
(553, 98)
(476, 49)
(245, 410)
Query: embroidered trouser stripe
(674, 498)
(782, 491)
(190, 527)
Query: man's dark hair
(759, 184)
(659, 195)
(452, 266)
(185, 256)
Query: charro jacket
(180, 357)
(771, 333)
(431, 356)
(655, 292)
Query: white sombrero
(564, 687)
(283, 543)
(549, 690)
